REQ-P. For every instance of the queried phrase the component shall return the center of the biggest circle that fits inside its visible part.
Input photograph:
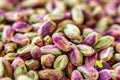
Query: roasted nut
(37, 41)
(31, 35)
(117, 46)
(47, 40)
(87, 31)
(33, 75)
(76, 75)
(117, 56)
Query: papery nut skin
(61, 42)
(76, 75)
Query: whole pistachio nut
(36, 26)
(117, 46)
(23, 77)
(10, 56)
(17, 62)
(61, 62)
(104, 42)
(61, 42)
(106, 54)
(7, 33)
(10, 47)
(117, 56)
(47, 60)
(69, 69)
(6, 78)
(36, 53)
(31, 35)
(77, 15)
(50, 73)
(75, 56)
(50, 49)
(91, 39)
(88, 72)
(76, 75)
(46, 28)
(32, 64)
(21, 39)
(47, 40)
(87, 31)
(1, 68)
(20, 70)
(21, 26)
(105, 74)
(37, 41)
(8, 69)
(85, 49)
(33, 75)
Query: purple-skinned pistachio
(16, 62)
(7, 33)
(36, 53)
(47, 40)
(90, 60)
(88, 72)
(8, 68)
(69, 69)
(10, 47)
(23, 77)
(61, 62)
(87, 31)
(36, 26)
(85, 49)
(35, 3)
(117, 56)
(10, 56)
(37, 41)
(64, 78)
(77, 15)
(50, 49)
(114, 31)
(33, 75)
(104, 42)
(75, 56)
(21, 69)
(106, 54)
(91, 39)
(72, 32)
(117, 46)
(46, 28)
(1, 67)
(61, 42)
(105, 74)
(32, 64)
(21, 26)
(76, 75)
(47, 60)
(20, 39)
(50, 74)
(31, 35)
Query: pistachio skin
(76, 75)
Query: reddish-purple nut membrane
(59, 39)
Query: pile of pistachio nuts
(59, 39)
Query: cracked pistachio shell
(75, 56)
(76, 75)
(8, 68)
(69, 69)
(88, 72)
(50, 74)
(61, 62)
(33, 75)
(1, 68)
(50, 49)
(32, 64)
(104, 42)
(61, 42)
(106, 54)
(117, 46)
(31, 35)
(47, 28)
(20, 39)
(47, 60)
(37, 41)
(23, 77)
(17, 62)
(91, 39)
(36, 53)
(7, 33)
(10, 56)
(10, 47)
(77, 15)
(87, 31)
(21, 69)
(85, 49)
(21, 26)
(47, 40)
(105, 74)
